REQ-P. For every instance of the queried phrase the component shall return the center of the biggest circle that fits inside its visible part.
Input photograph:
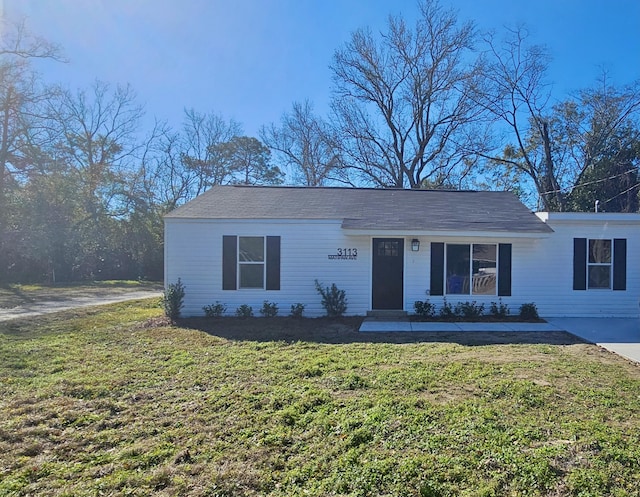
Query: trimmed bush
(297, 310)
(334, 301)
(214, 310)
(499, 309)
(269, 309)
(173, 300)
(244, 311)
(424, 309)
(529, 312)
(468, 310)
(446, 311)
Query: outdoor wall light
(415, 245)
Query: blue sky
(250, 59)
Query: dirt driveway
(29, 301)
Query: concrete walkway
(384, 326)
(619, 335)
(48, 307)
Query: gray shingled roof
(368, 208)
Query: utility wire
(587, 183)
(622, 193)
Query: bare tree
(554, 145)
(96, 137)
(21, 95)
(16, 40)
(514, 91)
(179, 165)
(402, 98)
(162, 177)
(307, 146)
(21, 98)
(201, 133)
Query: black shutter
(273, 263)
(504, 269)
(437, 269)
(229, 262)
(579, 263)
(620, 264)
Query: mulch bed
(345, 330)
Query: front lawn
(95, 402)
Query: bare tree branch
(401, 98)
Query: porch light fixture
(415, 245)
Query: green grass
(95, 403)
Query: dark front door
(388, 264)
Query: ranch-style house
(388, 248)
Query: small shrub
(214, 310)
(529, 312)
(173, 300)
(297, 310)
(334, 301)
(446, 311)
(499, 310)
(244, 311)
(269, 309)
(468, 310)
(424, 309)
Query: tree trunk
(553, 197)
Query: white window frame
(599, 264)
(470, 292)
(263, 263)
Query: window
(599, 264)
(251, 261)
(471, 269)
(389, 248)
(488, 270)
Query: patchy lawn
(96, 402)
(16, 295)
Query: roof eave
(446, 233)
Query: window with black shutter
(470, 269)
(250, 262)
(599, 264)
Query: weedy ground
(113, 401)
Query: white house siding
(542, 266)
(417, 272)
(542, 269)
(193, 253)
(550, 267)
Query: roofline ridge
(358, 188)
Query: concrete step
(386, 314)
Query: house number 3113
(344, 254)
(349, 252)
